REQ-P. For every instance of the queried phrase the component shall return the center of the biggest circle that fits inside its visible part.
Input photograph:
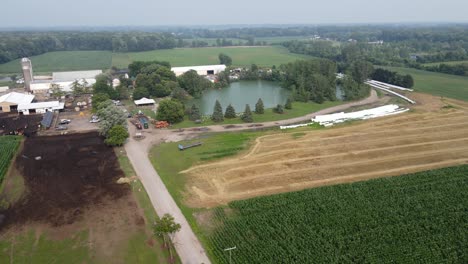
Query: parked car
(95, 120)
(61, 128)
(64, 121)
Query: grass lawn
(138, 251)
(299, 109)
(241, 56)
(445, 62)
(439, 84)
(63, 61)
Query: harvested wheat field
(285, 162)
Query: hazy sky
(24, 13)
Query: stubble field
(286, 162)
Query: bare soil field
(429, 137)
(24, 124)
(70, 188)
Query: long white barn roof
(56, 105)
(17, 98)
(219, 67)
(74, 75)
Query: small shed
(47, 119)
(144, 101)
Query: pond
(241, 93)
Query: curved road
(186, 243)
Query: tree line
(14, 45)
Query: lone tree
(166, 226)
(110, 116)
(117, 136)
(247, 115)
(217, 115)
(259, 108)
(171, 111)
(278, 109)
(230, 112)
(225, 59)
(195, 113)
(288, 104)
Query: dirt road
(186, 243)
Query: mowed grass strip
(241, 56)
(445, 62)
(299, 109)
(63, 61)
(416, 218)
(439, 84)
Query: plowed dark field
(25, 124)
(64, 175)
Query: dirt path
(186, 243)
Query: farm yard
(73, 210)
(416, 218)
(281, 162)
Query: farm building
(4, 89)
(74, 75)
(9, 102)
(201, 70)
(40, 108)
(144, 101)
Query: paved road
(186, 243)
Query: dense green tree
(56, 91)
(230, 112)
(110, 116)
(247, 115)
(122, 92)
(278, 109)
(136, 67)
(195, 113)
(117, 136)
(353, 90)
(288, 104)
(361, 70)
(217, 115)
(171, 111)
(193, 83)
(140, 92)
(225, 59)
(259, 107)
(98, 99)
(158, 79)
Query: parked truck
(144, 121)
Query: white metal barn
(40, 108)
(203, 70)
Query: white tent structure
(144, 101)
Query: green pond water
(241, 93)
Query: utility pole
(230, 249)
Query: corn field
(415, 218)
(8, 147)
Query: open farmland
(284, 162)
(63, 61)
(435, 83)
(241, 56)
(416, 218)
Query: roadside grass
(31, 248)
(241, 56)
(299, 109)
(438, 84)
(63, 61)
(138, 251)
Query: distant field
(86, 60)
(241, 56)
(63, 61)
(445, 62)
(440, 84)
(416, 218)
